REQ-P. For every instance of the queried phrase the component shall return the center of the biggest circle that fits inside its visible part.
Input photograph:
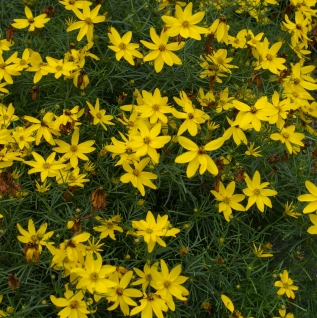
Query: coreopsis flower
(300, 28)
(93, 275)
(220, 61)
(239, 41)
(5, 45)
(223, 101)
(74, 4)
(148, 141)
(58, 67)
(228, 200)
(197, 157)
(145, 276)
(168, 283)
(123, 47)
(74, 150)
(300, 77)
(23, 136)
(23, 62)
(185, 22)
(313, 229)
(47, 168)
(100, 116)
(267, 57)
(219, 28)
(290, 210)
(7, 157)
(121, 295)
(283, 314)
(253, 151)
(206, 100)
(37, 66)
(193, 117)
(72, 178)
(150, 303)
(75, 305)
(311, 197)
(7, 69)
(152, 230)
(161, 52)
(260, 111)
(88, 18)
(107, 228)
(74, 248)
(42, 188)
(122, 149)
(258, 252)
(7, 116)
(137, 176)
(228, 303)
(44, 128)
(154, 106)
(235, 132)
(288, 136)
(257, 193)
(37, 237)
(286, 285)
(299, 49)
(30, 21)
(2, 89)
(69, 116)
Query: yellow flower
(58, 67)
(236, 132)
(258, 252)
(7, 70)
(74, 304)
(88, 18)
(256, 192)
(7, 116)
(107, 228)
(168, 284)
(154, 106)
(71, 177)
(122, 295)
(74, 150)
(150, 303)
(313, 229)
(93, 275)
(255, 152)
(148, 141)
(47, 168)
(300, 28)
(220, 29)
(220, 61)
(152, 230)
(228, 303)
(197, 156)
(145, 276)
(288, 136)
(185, 22)
(72, 4)
(161, 51)
(37, 237)
(23, 136)
(311, 198)
(122, 46)
(290, 210)
(37, 66)
(30, 21)
(286, 285)
(228, 200)
(283, 314)
(100, 116)
(137, 176)
(7, 157)
(267, 57)
(42, 188)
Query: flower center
(88, 21)
(46, 165)
(298, 27)
(119, 291)
(226, 200)
(73, 148)
(296, 81)
(253, 110)
(109, 225)
(74, 304)
(201, 151)
(162, 48)
(269, 57)
(167, 284)
(256, 191)
(146, 140)
(150, 297)
(149, 231)
(31, 20)
(21, 138)
(219, 60)
(136, 172)
(122, 46)
(185, 24)
(94, 276)
(285, 135)
(98, 115)
(190, 116)
(3, 65)
(59, 68)
(156, 107)
(71, 178)
(34, 238)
